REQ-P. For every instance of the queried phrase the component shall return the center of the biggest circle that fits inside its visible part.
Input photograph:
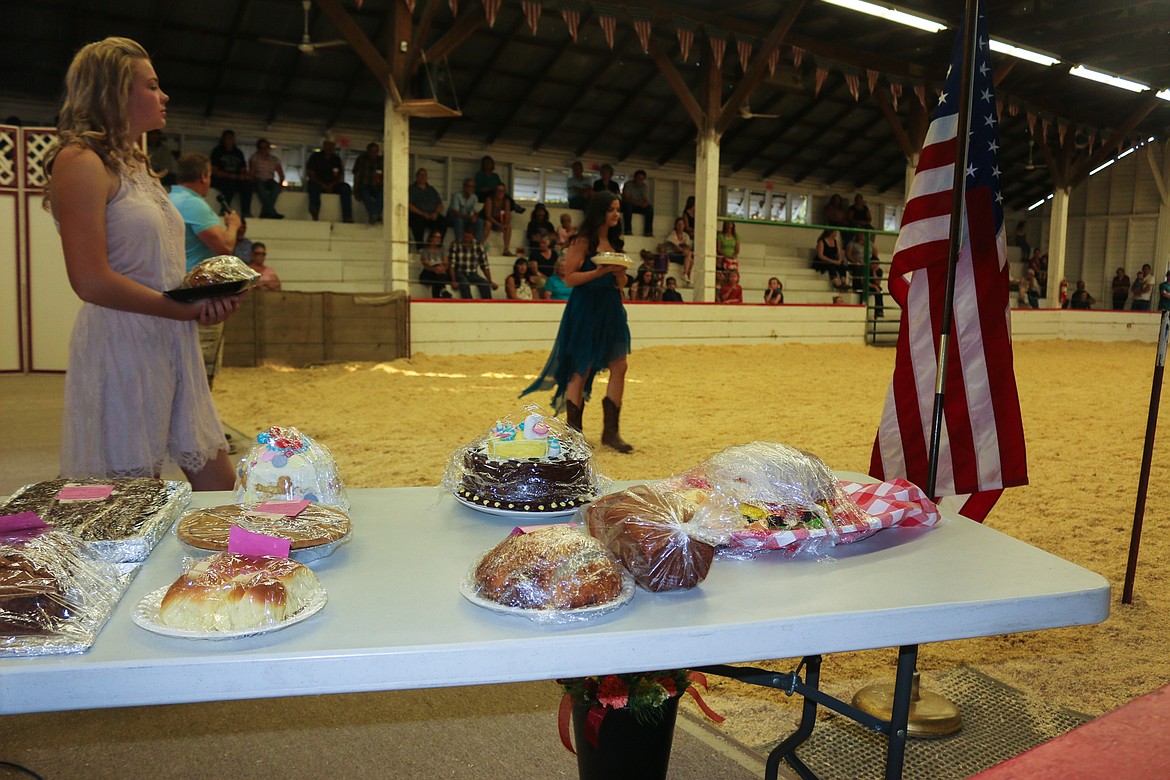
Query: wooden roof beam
(365, 50)
(1080, 171)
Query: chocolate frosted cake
(32, 599)
(133, 505)
(526, 468)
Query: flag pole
(958, 210)
(1139, 510)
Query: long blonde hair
(95, 112)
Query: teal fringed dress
(593, 334)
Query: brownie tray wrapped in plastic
(121, 527)
(56, 592)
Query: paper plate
(468, 589)
(146, 616)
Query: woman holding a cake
(594, 334)
(136, 388)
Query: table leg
(808, 719)
(900, 711)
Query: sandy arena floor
(1084, 407)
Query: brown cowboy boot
(610, 436)
(573, 414)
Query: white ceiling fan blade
(278, 43)
(323, 44)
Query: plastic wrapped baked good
(313, 533)
(649, 533)
(552, 574)
(612, 258)
(55, 592)
(220, 269)
(229, 592)
(765, 495)
(286, 464)
(122, 524)
(527, 462)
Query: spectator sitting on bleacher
(426, 208)
(436, 269)
(828, 259)
(229, 172)
(678, 244)
(243, 247)
(325, 173)
(636, 200)
(731, 292)
(367, 181)
(464, 211)
(555, 288)
(774, 295)
(726, 252)
(268, 279)
(606, 182)
(467, 260)
(487, 180)
(267, 178)
(1081, 298)
(497, 216)
(855, 260)
(518, 286)
(645, 287)
(688, 216)
(542, 256)
(859, 214)
(566, 232)
(537, 224)
(875, 286)
(835, 213)
(580, 189)
(671, 293)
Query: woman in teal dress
(594, 334)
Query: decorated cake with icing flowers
(537, 465)
(286, 464)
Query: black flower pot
(626, 748)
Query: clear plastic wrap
(553, 574)
(650, 533)
(56, 592)
(233, 595)
(768, 496)
(527, 463)
(314, 532)
(220, 269)
(286, 464)
(122, 527)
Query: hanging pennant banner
(685, 29)
(718, 40)
(871, 76)
(853, 81)
(607, 17)
(531, 13)
(571, 13)
(454, 7)
(822, 74)
(797, 56)
(773, 59)
(409, 5)
(1044, 128)
(1013, 109)
(745, 52)
(490, 9)
(895, 92)
(920, 91)
(1062, 131)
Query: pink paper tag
(85, 492)
(527, 529)
(25, 521)
(250, 543)
(286, 508)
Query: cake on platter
(314, 526)
(527, 463)
(286, 464)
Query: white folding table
(396, 619)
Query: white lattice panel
(8, 156)
(36, 144)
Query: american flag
(982, 443)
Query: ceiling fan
(745, 112)
(306, 45)
(1031, 166)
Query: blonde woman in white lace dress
(135, 391)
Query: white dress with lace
(136, 389)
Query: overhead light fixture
(890, 14)
(1023, 54)
(1101, 167)
(1105, 78)
(1164, 94)
(1037, 204)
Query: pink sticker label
(527, 529)
(85, 492)
(286, 508)
(24, 521)
(250, 543)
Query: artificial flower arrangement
(643, 694)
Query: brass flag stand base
(931, 715)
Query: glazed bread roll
(230, 592)
(551, 568)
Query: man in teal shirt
(206, 235)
